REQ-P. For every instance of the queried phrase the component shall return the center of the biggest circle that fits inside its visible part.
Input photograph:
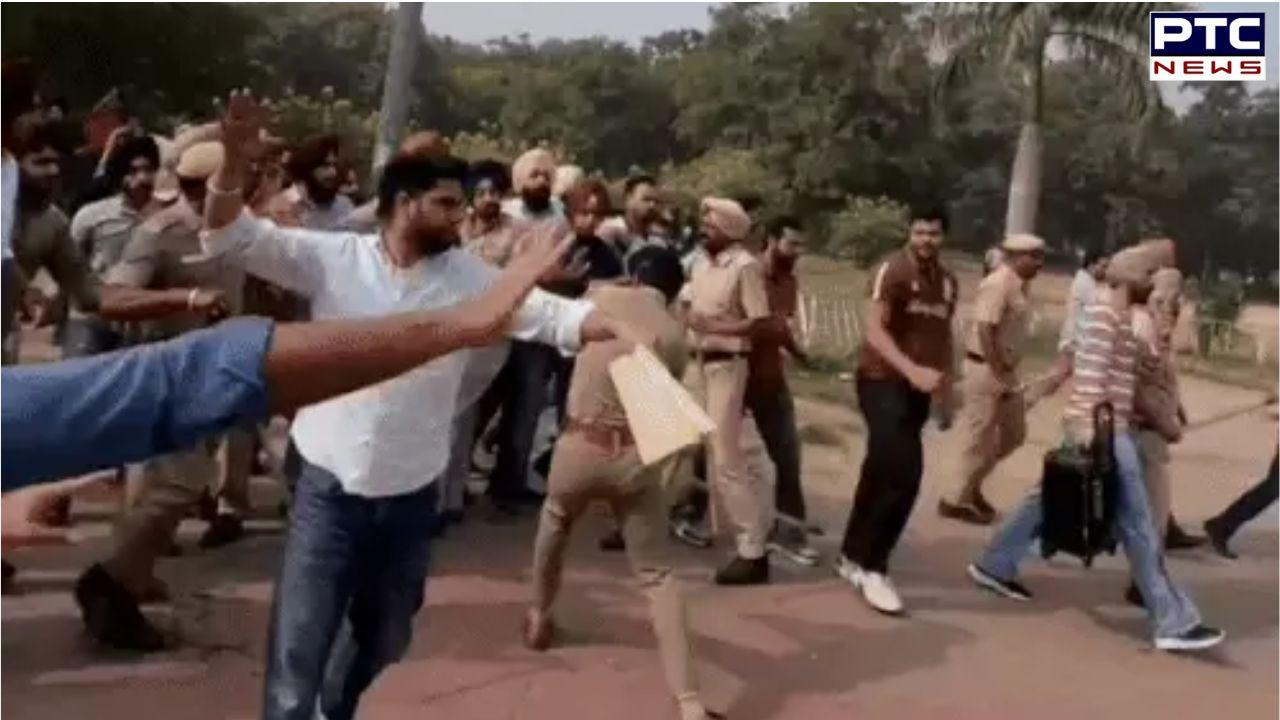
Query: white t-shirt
(391, 438)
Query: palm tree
(1019, 37)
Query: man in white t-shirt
(356, 558)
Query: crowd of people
(477, 298)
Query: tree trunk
(1025, 178)
(396, 90)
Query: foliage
(737, 174)
(301, 116)
(866, 229)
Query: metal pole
(396, 90)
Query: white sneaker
(878, 591)
(848, 571)
(876, 588)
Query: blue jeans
(352, 581)
(1170, 608)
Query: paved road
(803, 647)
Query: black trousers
(530, 369)
(775, 415)
(1252, 502)
(895, 414)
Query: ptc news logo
(1203, 46)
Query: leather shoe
(742, 571)
(111, 615)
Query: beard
(786, 263)
(320, 193)
(33, 194)
(434, 241)
(924, 253)
(141, 192)
(489, 210)
(536, 199)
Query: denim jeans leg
(1171, 610)
(316, 581)
(379, 622)
(1012, 542)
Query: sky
(631, 22)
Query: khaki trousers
(992, 425)
(582, 472)
(1155, 471)
(745, 495)
(160, 492)
(235, 463)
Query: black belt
(975, 357)
(708, 356)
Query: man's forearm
(310, 362)
(226, 200)
(121, 302)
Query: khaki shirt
(592, 397)
(164, 254)
(102, 229)
(729, 286)
(1002, 301)
(42, 240)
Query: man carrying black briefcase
(1103, 373)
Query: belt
(708, 356)
(607, 436)
(975, 357)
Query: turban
(199, 161)
(1131, 266)
(1167, 282)
(1162, 252)
(566, 177)
(728, 216)
(1022, 242)
(426, 144)
(526, 164)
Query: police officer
(993, 421)
(596, 459)
(164, 252)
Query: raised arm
(290, 257)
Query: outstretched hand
(487, 316)
(242, 123)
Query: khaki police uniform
(165, 253)
(730, 286)
(992, 422)
(596, 459)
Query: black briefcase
(1078, 494)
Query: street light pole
(396, 90)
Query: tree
(866, 229)
(1020, 37)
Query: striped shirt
(1106, 354)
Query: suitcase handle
(1104, 424)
